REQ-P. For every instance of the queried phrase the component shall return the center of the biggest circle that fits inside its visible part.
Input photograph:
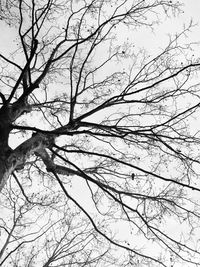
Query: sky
(145, 39)
(159, 37)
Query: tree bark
(19, 156)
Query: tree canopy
(99, 142)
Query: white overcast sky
(158, 39)
(155, 40)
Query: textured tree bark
(5, 150)
(11, 159)
(18, 157)
(52, 167)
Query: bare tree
(47, 231)
(88, 114)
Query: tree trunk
(18, 157)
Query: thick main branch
(19, 156)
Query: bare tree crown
(97, 137)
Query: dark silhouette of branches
(99, 142)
